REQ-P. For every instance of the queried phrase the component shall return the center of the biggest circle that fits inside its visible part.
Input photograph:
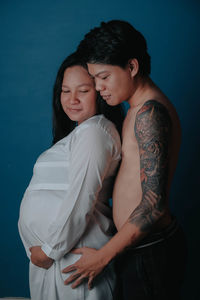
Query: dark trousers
(153, 272)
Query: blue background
(35, 38)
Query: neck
(144, 90)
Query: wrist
(106, 255)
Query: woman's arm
(39, 258)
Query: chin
(112, 103)
(72, 118)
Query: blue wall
(35, 37)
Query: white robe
(66, 206)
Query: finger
(71, 278)
(78, 282)
(69, 269)
(77, 251)
(90, 283)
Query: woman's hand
(39, 258)
(88, 266)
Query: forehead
(97, 69)
(78, 74)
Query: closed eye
(104, 77)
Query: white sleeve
(91, 155)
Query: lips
(105, 97)
(73, 109)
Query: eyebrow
(80, 85)
(96, 75)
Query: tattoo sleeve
(153, 129)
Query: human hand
(88, 266)
(39, 258)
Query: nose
(99, 86)
(74, 99)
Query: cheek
(125, 87)
(116, 84)
(63, 101)
(92, 104)
(64, 98)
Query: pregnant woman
(66, 203)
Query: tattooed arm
(153, 133)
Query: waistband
(160, 236)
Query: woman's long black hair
(62, 125)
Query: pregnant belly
(39, 210)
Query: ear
(133, 66)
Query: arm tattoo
(153, 129)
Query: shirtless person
(149, 246)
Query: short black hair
(115, 43)
(62, 125)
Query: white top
(66, 202)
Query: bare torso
(127, 192)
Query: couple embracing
(79, 246)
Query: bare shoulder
(154, 110)
(151, 105)
(156, 113)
